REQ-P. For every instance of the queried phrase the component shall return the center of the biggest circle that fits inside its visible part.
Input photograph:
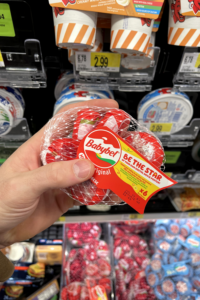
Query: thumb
(58, 175)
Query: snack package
(87, 269)
(127, 156)
(131, 255)
(174, 269)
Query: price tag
(194, 214)
(135, 216)
(169, 174)
(62, 219)
(100, 62)
(161, 127)
(190, 63)
(1, 60)
(6, 22)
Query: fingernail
(82, 168)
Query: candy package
(129, 227)
(174, 269)
(66, 131)
(87, 269)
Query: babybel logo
(65, 2)
(102, 148)
(181, 268)
(193, 242)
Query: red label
(121, 168)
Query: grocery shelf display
(136, 234)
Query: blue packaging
(164, 246)
(197, 271)
(174, 296)
(179, 268)
(176, 247)
(177, 278)
(161, 276)
(172, 259)
(162, 222)
(148, 270)
(168, 286)
(160, 232)
(182, 255)
(185, 230)
(165, 258)
(170, 238)
(195, 258)
(196, 282)
(174, 228)
(183, 286)
(157, 256)
(191, 272)
(196, 231)
(156, 265)
(192, 243)
(159, 292)
(152, 279)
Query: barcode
(188, 60)
(42, 255)
(176, 117)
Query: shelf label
(169, 174)
(6, 22)
(194, 214)
(135, 216)
(1, 60)
(62, 219)
(172, 156)
(190, 63)
(100, 62)
(161, 127)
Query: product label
(98, 62)
(172, 156)
(122, 169)
(191, 243)
(190, 63)
(177, 268)
(6, 22)
(1, 60)
(134, 8)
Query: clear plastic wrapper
(64, 132)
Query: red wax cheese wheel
(86, 121)
(62, 150)
(148, 146)
(116, 120)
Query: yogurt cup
(71, 86)
(64, 80)
(76, 96)
(165, 106)
(7, 116)
(17, 101)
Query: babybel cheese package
(127, 157)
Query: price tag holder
(98, 61)
(194, 214)
(6, 22)
(135, 216)
(1, 60)
(190, 63)
(161, 127)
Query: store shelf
(24, 70)
(127, 80)
(17, 135)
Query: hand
(29, 197)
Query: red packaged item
(116, 120)
(86, 121)
(143, 142)
(101, 135)
(106, 282)
(62, 150)
(74, 291)
(104, 267)
(84, 293)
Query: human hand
(29, 197)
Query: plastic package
(87, 269)
(64, 132)
(175, 266)
(131, 254)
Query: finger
(56, 176)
